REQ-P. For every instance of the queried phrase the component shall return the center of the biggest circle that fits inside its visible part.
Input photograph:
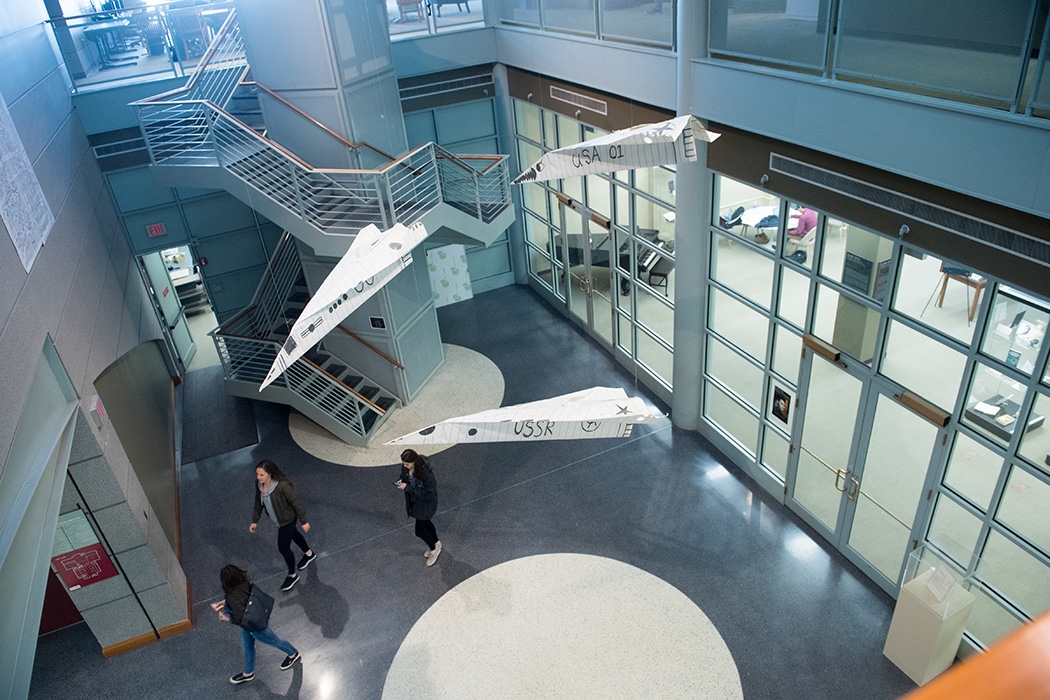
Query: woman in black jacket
(421, 499)
(237, 587)
(276, 495)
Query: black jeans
(426, 531)
(285, 535)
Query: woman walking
(238, 588)
(276, 495)
(421, 499)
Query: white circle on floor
(467, 382)
(563, 626)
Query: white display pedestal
(925, 633)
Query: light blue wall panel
(108, 110)
(465, 121)
(361, 37)
(40, 112)
(644, 75)
(25, 55)
(407, 292)
(192, 193)
(375, 113)
(307, 141)
(175, 231)
(232, 292)
(420, 128)
(58, 164)
(485, 146)
(447, 51)
(949, 145)
(419, 347)
(287, 44)
(231, 251)
(217, 215)
(135, 189)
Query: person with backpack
(248, 607)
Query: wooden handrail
(315, 122)
(336, 379)
(1016, 666)
(371, 347)
(310, 362)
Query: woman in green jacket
(276, 495)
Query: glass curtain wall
(990, 54)
(962, 341)
(413, 18)
(638, 254)
(645, 22)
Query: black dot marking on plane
(427, 431)
(472, 432)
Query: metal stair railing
(190, 127)
(483, 193)
(247, 348)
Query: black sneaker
(243, 678)
(289, 661)
(305, 561)
(289, 582)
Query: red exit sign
(154, 230)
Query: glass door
(169, 309)
(861, 461)
(885, 490)
(586, 242)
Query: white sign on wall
(23, 207)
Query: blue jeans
(267, 636)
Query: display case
(994, 404)
(932, 609)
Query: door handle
(852, 495)
(840, 474)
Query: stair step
(317, 357)
(385, 402)
(369, 419)
(369, 392)
(336, 370)
(352, 380)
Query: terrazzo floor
(648, 567)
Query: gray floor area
(797, 618)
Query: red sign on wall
(84, 566)
(154, 230)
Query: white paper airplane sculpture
(644, 146)
(374, 258)
(592, 413)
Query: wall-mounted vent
(1015, 242)
(581, 101)
(116, 147)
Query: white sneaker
(434, 557)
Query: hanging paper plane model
(374, 258)
(645, 146)
(592, 413)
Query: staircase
(194, 140)
(208, 134)
(319, 385)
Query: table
(751, 218)
(108, 36)
(990, 422)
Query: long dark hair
(418, 461)
(273, 470)
(232, 577)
